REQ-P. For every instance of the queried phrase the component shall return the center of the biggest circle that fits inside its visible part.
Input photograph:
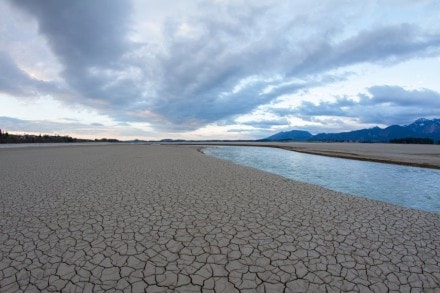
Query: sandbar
(166, 218)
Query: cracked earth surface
(124, 218)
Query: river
(411, 187)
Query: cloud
(204, 65)
(382, 105)
(398, 96)
(17, 82)
(39, 126)
(89, 39)
(267, 123)
(94, 130)
(82, 33)
(394, 43)
(207, 67)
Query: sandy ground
(427, 156)
(168, 218)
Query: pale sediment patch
(168, 218)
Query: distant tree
(30, 138)
(413, 140)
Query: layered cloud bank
(220, 68)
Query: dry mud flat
(168, 218)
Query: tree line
(6, 137)
(413, 140)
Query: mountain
(297, 135)
(421, 128)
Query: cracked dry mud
(167, 218)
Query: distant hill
(297, 135)
(421, 128)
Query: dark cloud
(394, 43)
(199, 72)
(82, 33)
(383, 105)
(220, 67)
(89, 39)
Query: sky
(216, 69)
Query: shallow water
(401, 185)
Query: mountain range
(421, 128)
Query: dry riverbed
(167, 218)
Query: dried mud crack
(135, 218)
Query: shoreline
(307, 148)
